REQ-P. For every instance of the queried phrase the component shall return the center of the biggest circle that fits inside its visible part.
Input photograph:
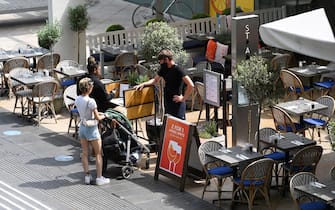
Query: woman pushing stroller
(88, 130)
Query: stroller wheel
(127, 171)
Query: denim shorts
(89, 133)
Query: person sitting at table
(175, 77)
(99, 92)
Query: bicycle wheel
(142, 14)
(180, 9)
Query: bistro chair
(332, 172)
(302, 201)
(43, 95)
(200, 92)
(65, 82)
(320, 119)
(254, 178)
(69, 96)
(284, 123)
(20, 91)
(48, 61)
(278, 63)
(213, 169)
(10, 65)
(293, 85)
(305, 160)
(125, 61)
(270, 151)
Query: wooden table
(324, 190)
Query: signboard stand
(178, 143)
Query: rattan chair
(69, 96)
(254, 178)
(332, 172)
(293, 85)
(305, 160)
(42, 97)
(47, 61)
(284, 123)
(21, 92)
(320, 119)
(124, 61)
(213, 169)
(10, 65)
(270, 151)
(302, 201)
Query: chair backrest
(258, 170)
(280, 61)
(282, 120)
(332, 172)
(291, 82)
(45, 91)
(47, 61)
(264, 134)
(307, 159)
(141, 70)
(208, 146)
(126, 59)
(330, 103)
(14, 63)
(69, 96)
(299, 179)
(200, 88)
(67, 63)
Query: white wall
(68, 44)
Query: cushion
(221, 51)
(315, 205)
(211, 49)
(221, 171)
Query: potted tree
(49, 35)
(78, 20)
(255, 78)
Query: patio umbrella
(308, 33)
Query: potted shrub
(254, 77)
(114, 27)
(78, 19)
(49, 35)
(331, 132)
(209, 131)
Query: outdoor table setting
(33, 78)
(301, 106)
(234, 156)
(322, 190)
(28, 52)
(71, 71)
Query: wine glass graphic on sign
(174, 155)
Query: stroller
(120, 144)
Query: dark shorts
(176, 109)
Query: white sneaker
(88, 178)
(102, 180)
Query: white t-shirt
(85, 106)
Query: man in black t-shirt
(175, 78)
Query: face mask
(164, 66)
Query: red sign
(174, 146)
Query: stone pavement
(31, 178)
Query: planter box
(221, 139)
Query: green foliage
(132, 77)
(115, 27)
(227, 11)
(331, 127)
(78, 18)
(199, 16)
(141, 79)
(208, 130)
(49, 35)
(253, 75)
(154, 20)
(158, 36)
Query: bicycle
(142, 13)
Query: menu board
(175, 151)
(212, 81)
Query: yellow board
(217, 6)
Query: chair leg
(51, 105)
(199, 114)
(205, 187)
(219, 189)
